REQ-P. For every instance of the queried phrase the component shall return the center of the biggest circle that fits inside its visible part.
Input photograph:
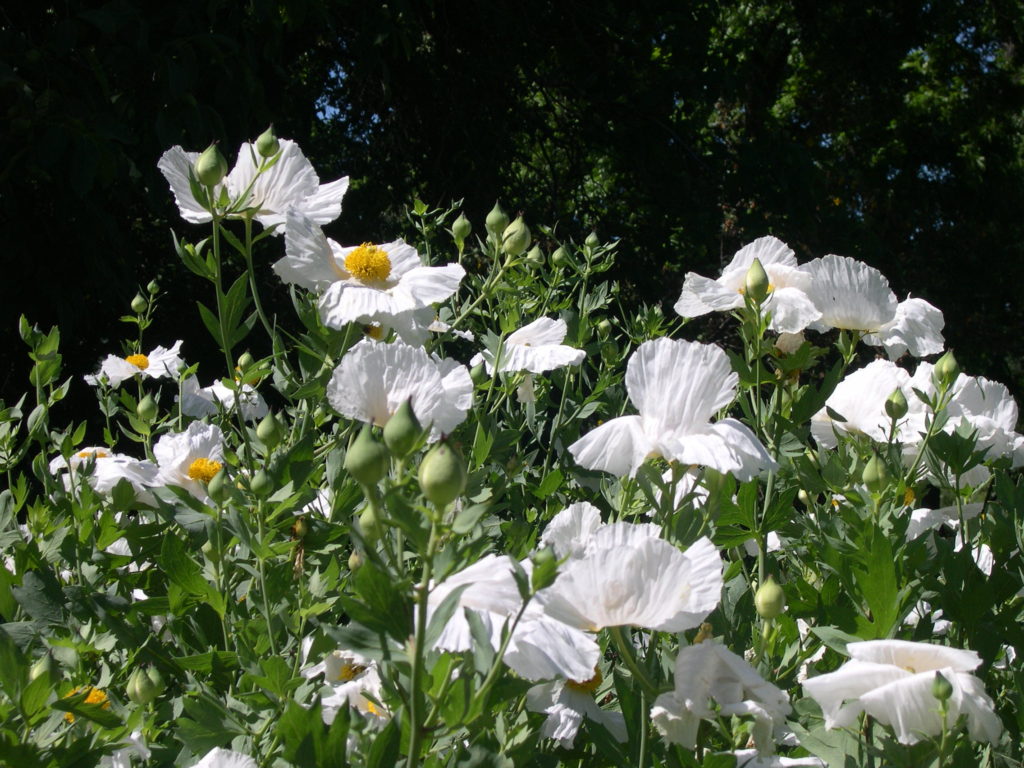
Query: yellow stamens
(705, 632)
(95, 697)
(139, 361)
(373, 709)
(350, 672)
(586, 686)
(203, 469)
(908, 497)
(368, 264)
(96, 454)
(375, 332)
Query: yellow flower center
(743, 289)
(203, 469)
(139, 361)
(97, 454)
(375, 332)
(373, 709)
(908, 497)
(586, 686)
(95, 697)
(350, 672)
(368, 264)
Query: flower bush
(466, 507)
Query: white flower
(365, 283)
(190, 459)
(707, 671)
(354, 681)
(749, 758)
(677, 386)
(105, 469)
(924, 520)
(135, 746)
(891, 680)
(791, 309)
(536, 348)
(991, 411)
(569, 532)
(628, 577)
(198, 402)
(853, 296)
(373, 380)
(289, 183)
(159, 363)
(566, 703)
(225, 758)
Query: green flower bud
(245, 362)
(769, 600)
(442, 475)
(496, 221)
(560, 258)
(535, 256)
(139, 304)
(141, 689)
(876, 474)
(45, 666)
(516, 238)
(218, 487)
(267, 144)
(757, 284)
(147, 408)
(370, 525)
(211, 167)
(156, 679)
(402, 431)
(461, 229)
(261, 484)
(269, 431)
(604, 328)
(355, 561)
(153, 287)
(942, 689)
(479, 374)
(946, 370)
(545, 569)
(896, 405)
(592, 240)
(366, 460)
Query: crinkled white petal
(791, 309)
(860, 399)
(850, 294)
(225, 758)
(917, 657)
(568, 532)
(176, 164)
(728, 446)
(619, 446)
(536, 347)
(917, 328)
(310, 258)
(175, 452)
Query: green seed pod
(267, 144)
(479, 374)
(261, 484)
(45, 666)
(757, 284)
(366, 460)
(442, 475)
(402, 431)
(535, 257)
(141, 690)
(875, 475)
(496, 221)
(211, 167)
(516, 238)
(218, 487)
(370, 525)
(604, 328)
(545, 569)
(153, 287)
(461, 229)
(560, 258)
(245, 362)
(592, 240)
(147, 408)
(269, 431)
(946, 370)
(769, 600)
(156, 679)
(355, 561)
(942, 689)
(139, 304)
(896, 405)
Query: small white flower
(225, 758)
(860, 400)
(198, 402)
(135, 746)
(749, 758)
(105, 469)
(566, 703)
(354, 681)
(535, 348)
(160, 363)
(190, 459)
(891, 680)
(373, 380)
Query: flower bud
(896, 405)
(141, 689)
(245, 362)
(218, 487)
(369, 524)
(604, 327)
(355, 561)
(535, 256)
(461, 229)
(269, 431)
(545, 569)
(366, 460)
(560, 258)
(261, 484)
(147, 408)
(496, 221)
(516, 238)
(876, 474)
(267, 144)
(946, 370)
(139, 304)
(442, 475)
(402, 431)
(153, 287)
(479, 374)
(211, 167)
(769, 600)
(756, 284)
(592, 240)
(942, 689)
(45, 666)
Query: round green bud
(267, 144)
(496, 221)
(141, 690)
(366, 459)
(545, 569)
(355, 561)
(147, 408)
(261, 483)
(896, 405)
(211, 167)
(153, 287)
(875, 474)
(560, 258)
(535, 256)
(756, 284)
(461, 229)
(402, 431)
(139, 304)
(219, 487)
(604, 328)
(769, 600)
(592, 240)
(370, 525)
(946, 370)
(245, 362)
(516, 238)
(269, 431)
(156, 679)
(478, 374)
(942, 689)
(44, 666)
(442, 475)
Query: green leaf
(551, 483)
(468, 517)
(180, 568)
(384, 750)
(13, 666)
(41, 597)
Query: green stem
(260, 564)
(416, 719)
(629, 657)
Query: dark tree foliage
(890, 131)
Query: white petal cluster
(186, 459)
(373, 380)
(891, 680)
(677, 387)
(198, 402)
(289, 183)
(160, 363)
(354, 681)
(225, 758)
(105, 469)
(566, 703)
(860, 400)
(536, 348)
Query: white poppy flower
(135, 746)
(677, 386)
(225, 758)
(106, 469)
(991, 411)
(749, 758)
(924, 520)
(891, 680)
(535, 348)
(787, 301)
(373, 380)
(198, 402)
(290, 183)
(628, 577)
(355, 682)
(365, 283)
(566, 703)
(706, 671)
(853, 296)
(159, 363)
(190, 459)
